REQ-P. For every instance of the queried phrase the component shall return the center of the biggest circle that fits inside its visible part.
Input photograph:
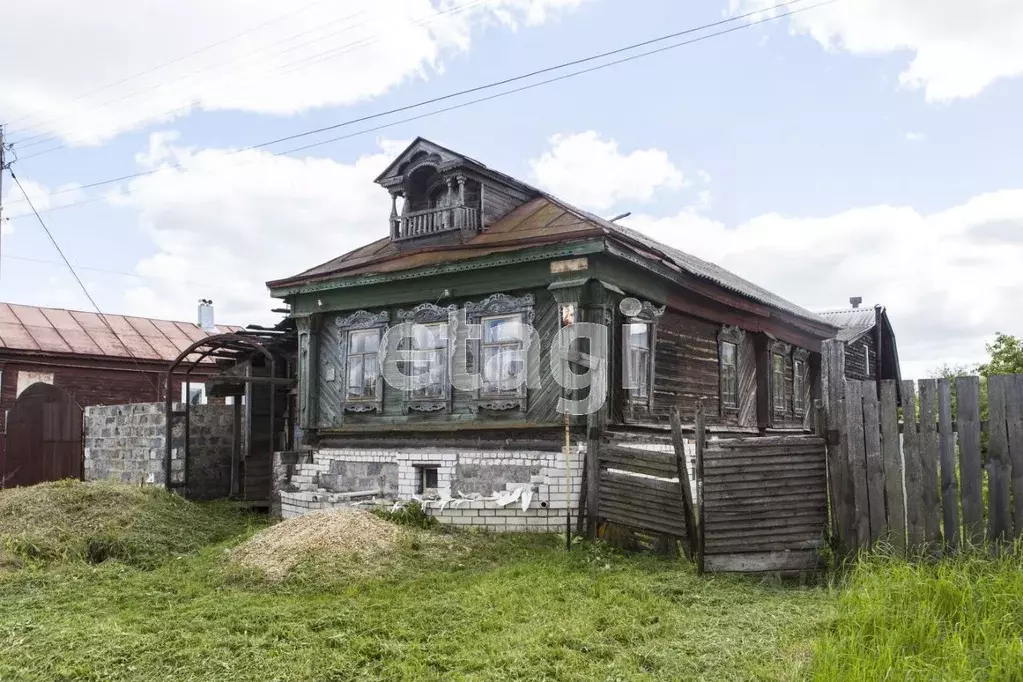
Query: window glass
(503, 356)
(637, 359)
(729, 374)
(363, 345)
(779, 382)
(798, 386)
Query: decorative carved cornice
(427, 312)
(362, 407)
(426, 406)
(781, 348)
(498, 405)
(732, 335)
(363, 319)
(502, 304)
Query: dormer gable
(441, 191)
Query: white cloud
(42, 197)
(257, 56)
(240, 219)
(958, 49)
(915, 137)
(950, 279)
(588, 170)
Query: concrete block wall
(127, 443)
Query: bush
(411, 514)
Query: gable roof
(73, 332)
(852, 323)
(542, 220)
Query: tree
(1006, 356)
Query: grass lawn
(468, 606)
(145, 591)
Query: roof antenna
(620, 216)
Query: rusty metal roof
(542, 220)
(73, 332)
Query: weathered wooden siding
(856, 353)
(685, 370)
(747, 370)
(499, 201)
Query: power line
(31, 140)
(85, 290)
(506, 81)
(121, 273)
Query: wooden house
(464, 238)
(871, 352)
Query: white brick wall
(545, 512)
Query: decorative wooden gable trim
(501, 304)
(429, 313)
(360, 320)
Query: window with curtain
(637, 359)
(363, 365)
(502, 354)
(429, 360)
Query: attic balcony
(434, 221)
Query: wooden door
(44, 438)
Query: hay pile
(320, 534)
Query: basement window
(426, 479)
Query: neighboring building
(467, 238)
(870, 348)
(95, 364)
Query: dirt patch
(322, 534)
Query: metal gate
(44, 438)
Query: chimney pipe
(206, 315)
(855, 301)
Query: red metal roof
(74, 332)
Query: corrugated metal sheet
(852, 322)
(74, 332)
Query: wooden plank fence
(921, 487)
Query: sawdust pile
(323, 534)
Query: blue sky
(816, 155)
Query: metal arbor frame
(225, 346)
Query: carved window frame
(430, 313)
(497, 305)
(736, 337)
(359, 321)
(784, 351)
(648, 315)
(800, 360)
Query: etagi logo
(499, 357)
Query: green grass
(960, 619)
(458, 606)
(73, 521)
(166, 604)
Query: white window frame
(638, 381)
(346, 326)
(732, 404)
(346, 383)
(438, 334)
(514, 346)
(502, 305)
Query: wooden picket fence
(919, 483)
